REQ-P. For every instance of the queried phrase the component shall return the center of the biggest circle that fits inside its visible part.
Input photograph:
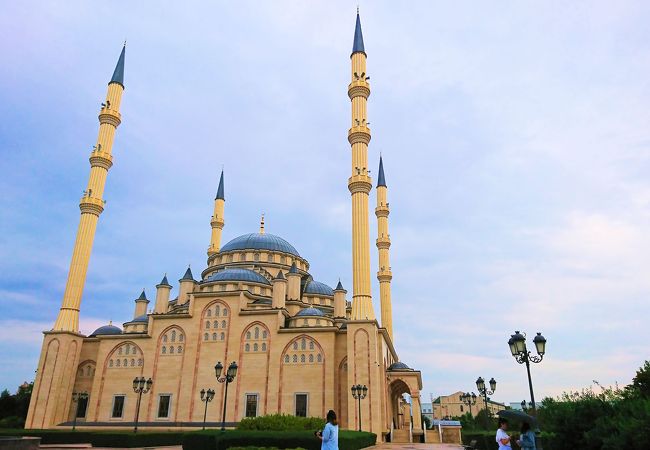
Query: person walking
(330, 434)
(502, 437)
(527, 439)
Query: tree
(641, 381)
(426, 421)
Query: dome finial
(262, 224)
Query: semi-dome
(398, 366)
(260, 241)
(318, 288)
(106, 330)
(310, 312)
(237, 274)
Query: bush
(281, 422)
(12, 422)
(198, 440)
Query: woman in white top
(502, 437)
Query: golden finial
(262, 224)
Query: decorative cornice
(91, 205)
(359, 183)
(383, 243)
(384, 275)
(101, 159)
(359, 89)
(110, 116)
(359, 134)
(382, 211)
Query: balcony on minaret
(359, 133)
(384, 274)
(383, 242)
(382, 210)
(359, 88)
(90, 204)
(111, 116)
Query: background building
(448, 406)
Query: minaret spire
(360, 183)
(92, 203)
(384, 274)
(262, 224)
(217, 221)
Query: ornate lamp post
(469, 400)
(524, 406)
(522, 355)
(231, 373)
(359, 393)
(76, 397)
(484, 391)
(206, 397)
(140, 386)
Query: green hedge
(281, 422)
(486, 440)
(198, 440)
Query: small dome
(236, 274)
(142, 318)
(399, 366)
(310, 312)
(106, 330)
(259, 241)
(318, 288)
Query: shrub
(281, 422)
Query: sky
(515, 141)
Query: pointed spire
(339, 287)
(294, 268)
(357, 46)
(381, 180)
(164, 282)
(118, 73)
(262, 224)
(220, 195)
(143, 296)
(280, 276)
(188, 275)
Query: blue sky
(515, 140)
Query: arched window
(247, 347)
(286, 359)
(295, 345)
(319, 358)
(256, 256)
(216, 310)
(255, 347)
(118, 363)
(295, 358)
(303, 344)
(248, 335)
(302, 358)
(223, 324)
(216, 324)
(181, 338)
(264, 334)
(223, 336)
(173, 335)
(311, 345)
(205, 337)
(311, 358)
(225, 312)
(164, 350)
(257, 333)
(179, 349)
(305, 322)
(263, 347)
(133, 363)
(139, 362)
(165, 338)
(119, 351)
(214, 336)
(126, 363)
(171, 349)
(270, 257)
(88, 369)
(207, 324)
(209, 313)
(110, 363)
(127, 348)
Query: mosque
(299, 344)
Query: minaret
(360, 183)
(92, 203)
(217, 219)
(384, 275)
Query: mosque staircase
(400, 436)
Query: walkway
(389, 446)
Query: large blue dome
(318, 288)
(259, 241)
(106, 329)
(236, 274)
(310, 312)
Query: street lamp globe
(480, 384)
(218, 368)
(493, 384)
(473, 397)
(540, 344)
(513, 346)
(149, 383)
(136, 382)
(232, 369)
(519, 341)
(365, 390)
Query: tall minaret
(217, 219)
(360, 183)
(92, 203)
(384, 275)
